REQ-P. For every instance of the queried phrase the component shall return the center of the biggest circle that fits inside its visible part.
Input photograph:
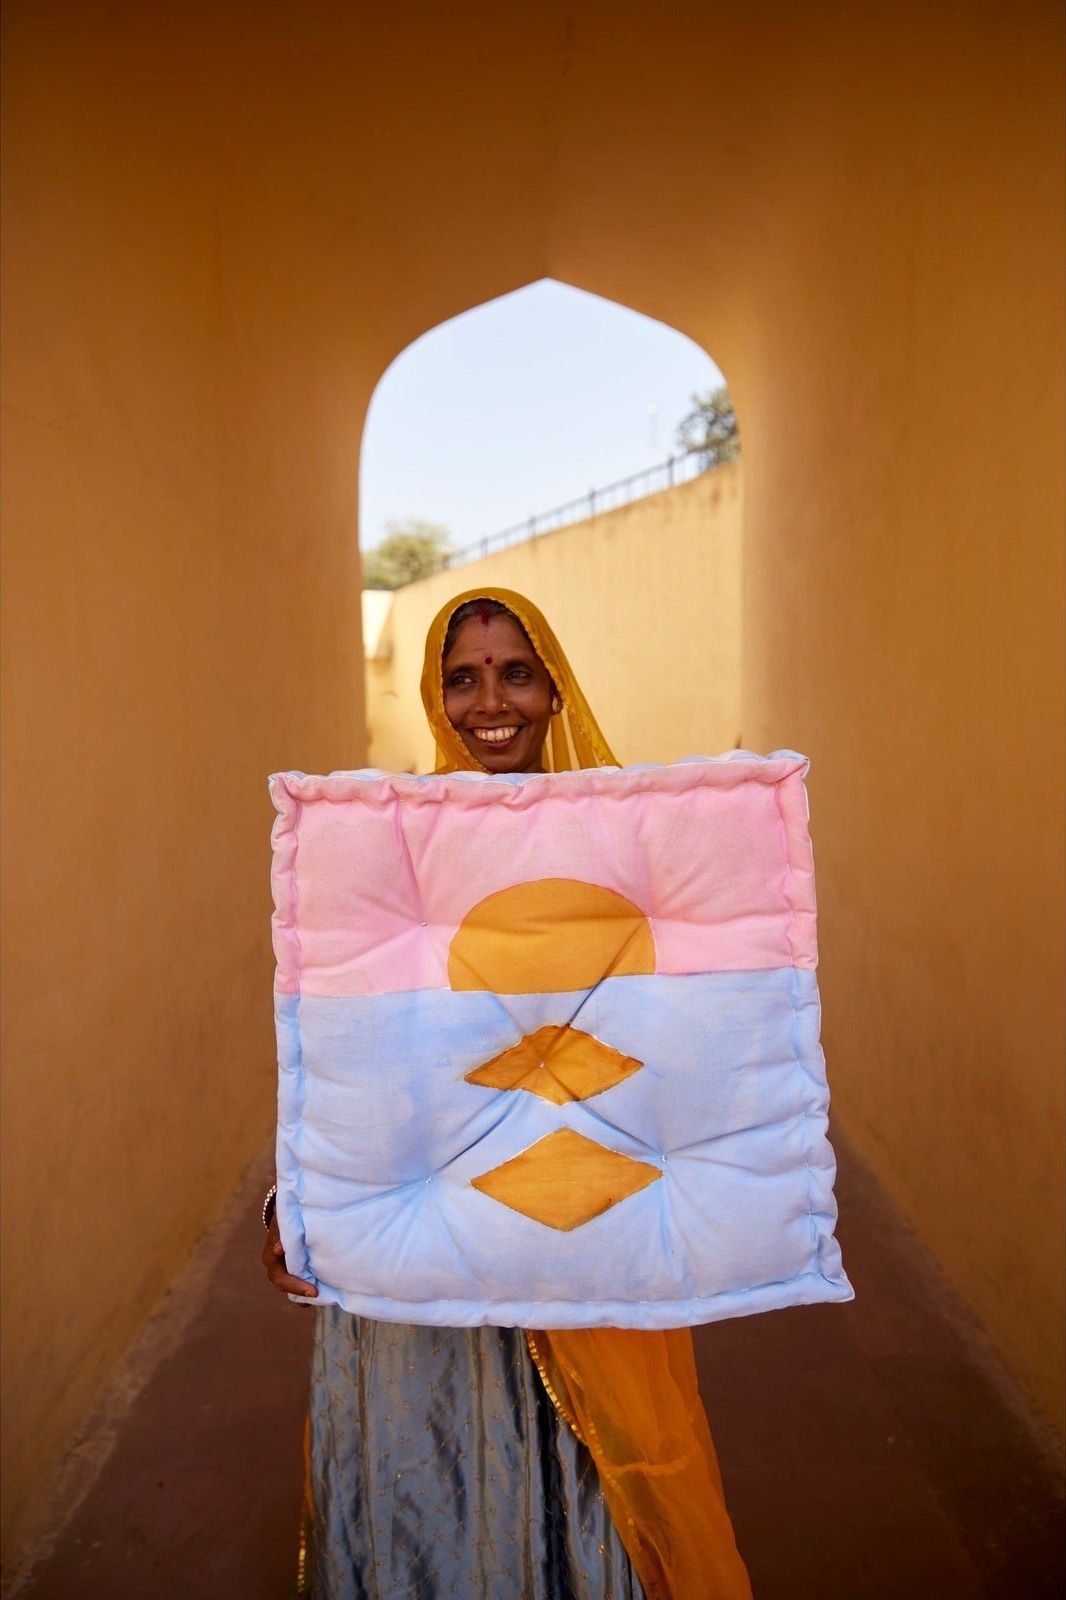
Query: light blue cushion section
(379, 1138)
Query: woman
(492, 1463)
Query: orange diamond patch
(565, 1180)
(559, 1063)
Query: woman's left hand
(274, 1261)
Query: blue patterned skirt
(439, 1467)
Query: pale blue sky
(520, 404)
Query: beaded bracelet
(270, 1205)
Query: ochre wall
(181, 592)
(224, 220)
(645, 601)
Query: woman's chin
(501, 760)
(510, 755)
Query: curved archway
(547, 423)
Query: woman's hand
(274, 1261)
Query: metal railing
(664, 475)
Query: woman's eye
(459, 680)
(519, 673)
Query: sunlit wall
(645, 601)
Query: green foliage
(409, 550)
(710, 429)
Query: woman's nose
(492, 697)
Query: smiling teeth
(495, 735)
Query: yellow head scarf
(631, 1397)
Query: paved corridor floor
(872, 1451)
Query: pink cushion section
(372, 875)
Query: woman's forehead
(492, 634)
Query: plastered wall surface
(223, 222)
(645, 601)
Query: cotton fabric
(419, 1181)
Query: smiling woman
(506, 1463)
(631, 1397)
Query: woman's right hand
(274, 1261)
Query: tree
(409, 550)
(710, 429)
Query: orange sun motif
(548, 937)
(556, 936)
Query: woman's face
(498, 694)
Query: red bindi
(488, 661)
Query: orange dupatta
(631, 1397)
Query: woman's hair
(483, 610)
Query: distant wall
(645, 600)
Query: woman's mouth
(494, 735)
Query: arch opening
(557, 443)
